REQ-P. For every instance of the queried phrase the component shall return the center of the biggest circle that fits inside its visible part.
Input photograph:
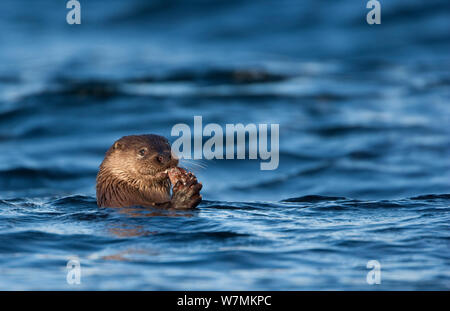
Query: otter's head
(140, 159)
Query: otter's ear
(117, 145)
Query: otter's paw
(186, 195)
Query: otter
(134, 172)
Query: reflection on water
(154, 212)
(121, 231)
(124, 255)
(125, 229)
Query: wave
(77, 200)
(313, 199)
(29, 174)
(88, 203)
(431, 197)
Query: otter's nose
(164, 158)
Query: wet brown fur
(128, 178)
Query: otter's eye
(142, 152)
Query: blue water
(364, 168)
